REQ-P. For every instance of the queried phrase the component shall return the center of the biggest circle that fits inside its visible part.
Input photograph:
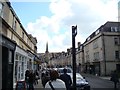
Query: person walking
(66, 78)
(36, 76)
(27, 78)
(55, 83)
(45, 77)
(115, 78)
(31, 80)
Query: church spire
(46, 47)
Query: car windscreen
(61, 71)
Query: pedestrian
(31, 80)
(115, 78)
(45, 77)
(27, 78)
(54, 82)
(36, 76)
(66, 78)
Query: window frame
(117, 54)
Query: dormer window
(114, 29)
(97, 32)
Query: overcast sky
(51, 20)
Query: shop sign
(7, 43)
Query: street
(95, 82)
(99, 83)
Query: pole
(74, 33)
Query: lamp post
(74, 33)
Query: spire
(46, 47)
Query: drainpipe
(104, 55)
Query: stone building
(98, 55)
(25, 56)
(102, 49)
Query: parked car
(81, 82)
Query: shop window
(16, 56)
(27, 64)
(19, 72)
(19, 58)
(22, 69)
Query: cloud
(88, 16)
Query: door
(7, 68)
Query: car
(81, 82)
(60, 70)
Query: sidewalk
(39, 85)
(105, 77)
(102, 77)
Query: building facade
(26, 45)
(102, 50)
(98, 55)
(7, 62)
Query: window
(88, 38)
(114, 29)
(97, 32)
(117, 41)
(22, 68)
(23, 35)
(16, 56)
(19, 58)
(1, 9)
(117, 54)
(14, 25)
(95, 45)
(96, 56)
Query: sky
(52, 20)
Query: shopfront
(23, 61)
(8, 49)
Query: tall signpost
(74, 33)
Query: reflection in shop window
(30, 64)
(27, 64)
(16, 56)
(19, 73)
(19, 58)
